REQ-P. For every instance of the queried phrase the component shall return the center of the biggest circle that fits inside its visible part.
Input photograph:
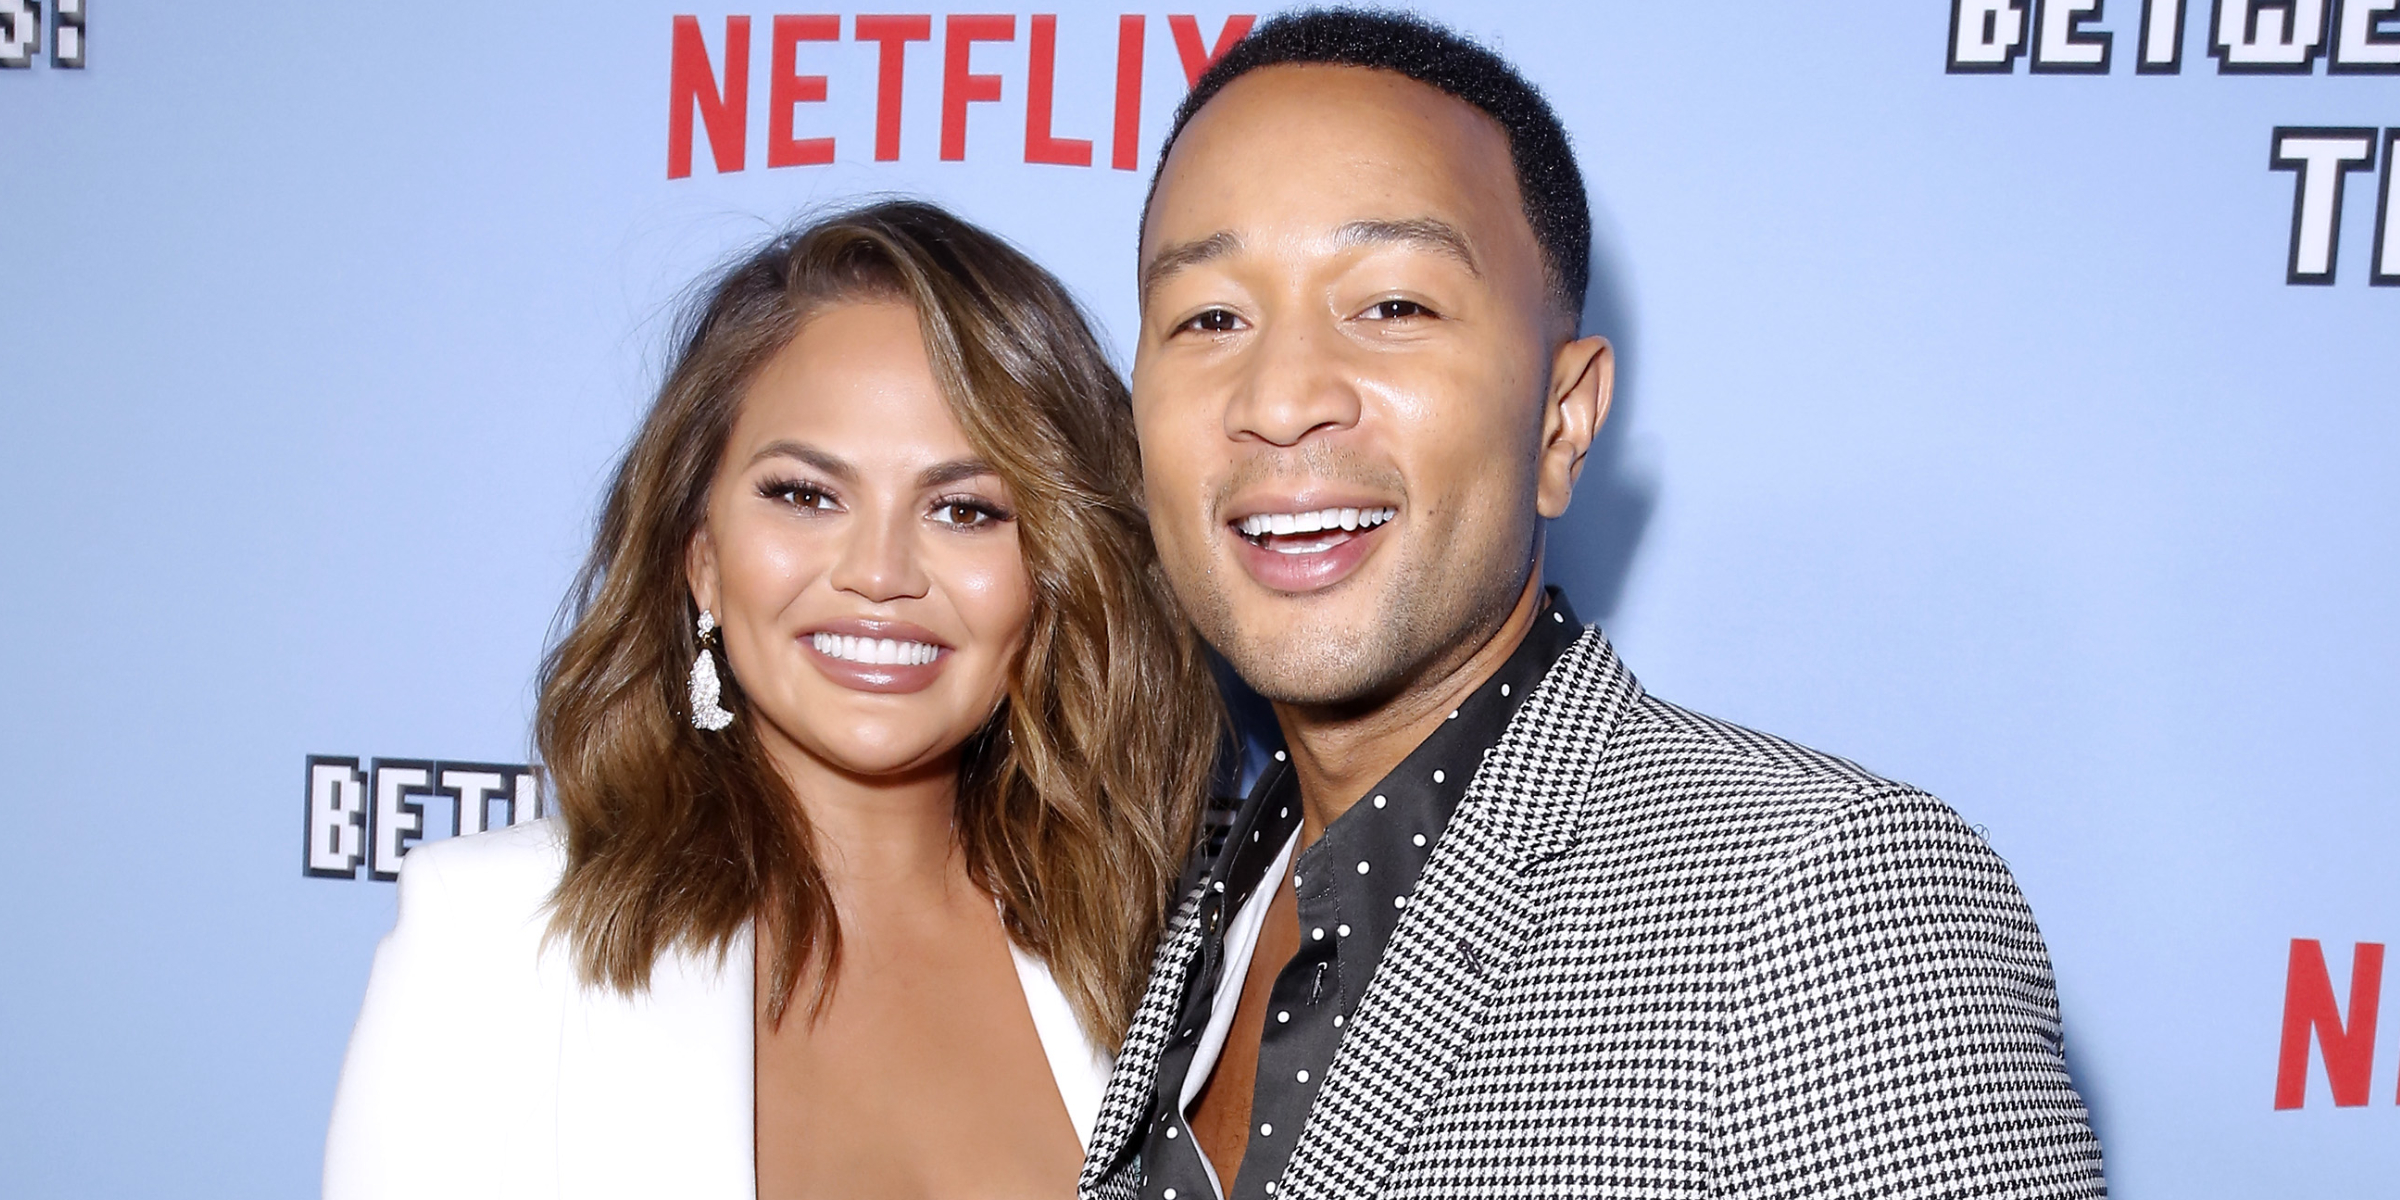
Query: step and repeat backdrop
(2010, 401)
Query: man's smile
(1307, 543)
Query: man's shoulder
(1678, 739)
(1709, 794)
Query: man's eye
(1215, 320)
(1398, 310)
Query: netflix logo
(2313, 1013)
(711, 88)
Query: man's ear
(700, 569)
(1582, 375)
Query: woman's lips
(867, 663)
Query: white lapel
(654, 1091)
(1080, 1067)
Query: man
(1498, 923)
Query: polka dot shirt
(1354, 887)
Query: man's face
(1343, 385)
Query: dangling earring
(706, 712)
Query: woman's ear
(700, 569)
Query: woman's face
(861, 558)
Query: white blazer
(481, 1067)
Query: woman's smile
(877, 656)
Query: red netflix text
(2311, 1012)
(711, 89)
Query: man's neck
(1338, 754)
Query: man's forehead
(1297, 142)
(1323, 152)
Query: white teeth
(1262, 524)
(886, 652)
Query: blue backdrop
(1987, 425)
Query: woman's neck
(881, 839)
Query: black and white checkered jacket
(1657, 955)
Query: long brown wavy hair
(1076, 803)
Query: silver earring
(706, 712)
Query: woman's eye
(1398, 310)
(1215, 320)
(964, 514)
(800, 495)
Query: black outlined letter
(2366, 38)
(469, 787)
(20, 32)
(2267, 37)
(2061, 44)
(2319, 158)
(337, 803)
(1986, 36)
(66, 35)
(398, 816)
(2387, 219)
(472, 788)
(2162, 38)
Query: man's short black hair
(1547, 178)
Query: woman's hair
(1075, 804)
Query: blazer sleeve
(445, 1091)
(1895, 1028)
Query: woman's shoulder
(499, 882)
(451, 1069)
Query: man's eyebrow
(957, 470)
(1185, 254)
(1425, 233)
(831, 464)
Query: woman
(875, 743)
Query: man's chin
(1312, 672)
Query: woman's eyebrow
(957, 470)
(831, 464)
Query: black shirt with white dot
(1353, 886)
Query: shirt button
(1304, 1077)
(1266, 1130)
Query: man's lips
(1282, 524)
(1306, 549)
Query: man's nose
(879, 558)
(1297, 382)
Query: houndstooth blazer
(1657, 955)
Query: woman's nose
(878, 560)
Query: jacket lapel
(654, 1091)
(1462, 929)
(1125, 1107)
